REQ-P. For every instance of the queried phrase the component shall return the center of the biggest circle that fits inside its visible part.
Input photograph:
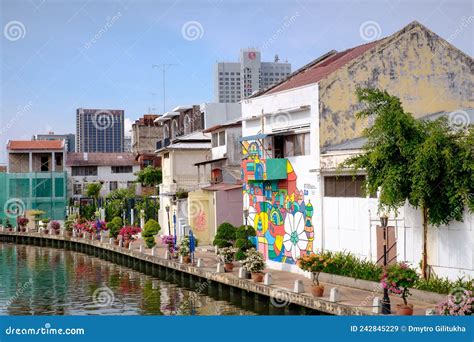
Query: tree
(93, 190)
(149, 176)
(425, 163)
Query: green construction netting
(44, 191)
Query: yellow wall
(426, 72)
(201, 215)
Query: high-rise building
(99, 130)
(234, 81)
(69, 139)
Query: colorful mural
(277, 208)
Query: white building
(234, 81)
(291, 151)
(112, 170)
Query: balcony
(265, 169)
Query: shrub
(55, 225)
(459, 303)
(315, 263)
(348, 265)
(226, 254)
(225, 235)
(149, 231)
(22, 221)
(254, 261)
(443, 285)
(114, 226)
(243, 235)
(398, 278)
(184, 249)
(69, 223)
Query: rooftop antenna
(163, 67)
(277, 59)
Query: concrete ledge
(423, 296)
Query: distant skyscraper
(236, 81)
(99, 130)
(127, 144)
(69, 139)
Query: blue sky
(57, 56)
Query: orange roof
(35, 145)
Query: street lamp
(246, 216)
(386, 299)
(168, 214)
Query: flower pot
(187, 259)
(228, 266)
(56, 231)
(317, 290)
(46, 231)
(68, 233)
(405, 310)
(257, 277)
(22, 229)
(116, 242)
(126, 243)
(10, 229)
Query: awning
(210, 161)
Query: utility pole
(164, 67)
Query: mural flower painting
(295, 239)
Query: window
(174, 129)
(77, 189)
(113, 185)
(122, 169)
(291, 145)
(84, 170)
(222, 138)
(166, 155)
(214, 140)
(166, 131)
(44, 164)
(59, 159)
(187, 124)
(344, 186)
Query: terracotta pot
(68, 233)
(10, 229)
(187, 259)
(22, 229)
(405, 310)
(46, 231)
(126, 243)
(257, 277)
(317, 291)
(56, 231)
(116, 242)
(228, 266)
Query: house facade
(295, 201)
(113, 170)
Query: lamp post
(168, 214)
(386, 310)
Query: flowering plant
(127, 232)
(254, 261)
(184, 249)
(55, 225)
(398, 278)
(169, 241)
(458, 303)
(226, 254)
(94, 226)
(22, 221)
(314, 263)
(82, 226)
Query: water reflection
(48, 281)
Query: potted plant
(69, 225)
(458, 303)
(8, 225)
(55, 226)
(315, 263)
(149, 232)
(184, 250)
(226, 256)
(114, 227)
(22, 222)
(398, 278)
(168, 240)
(254, 263)
(128, 233)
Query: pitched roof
(319, 68)
(27, 145)
(100, 159)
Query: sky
(57, 56)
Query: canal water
(48, 281)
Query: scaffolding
(45, 191)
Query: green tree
(149, 232)
(93, 190)
(425, 163)
(225, 235)
(149, 176)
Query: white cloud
(128, 127)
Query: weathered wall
(18, 162)
(427, 73)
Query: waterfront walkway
(352, 301)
